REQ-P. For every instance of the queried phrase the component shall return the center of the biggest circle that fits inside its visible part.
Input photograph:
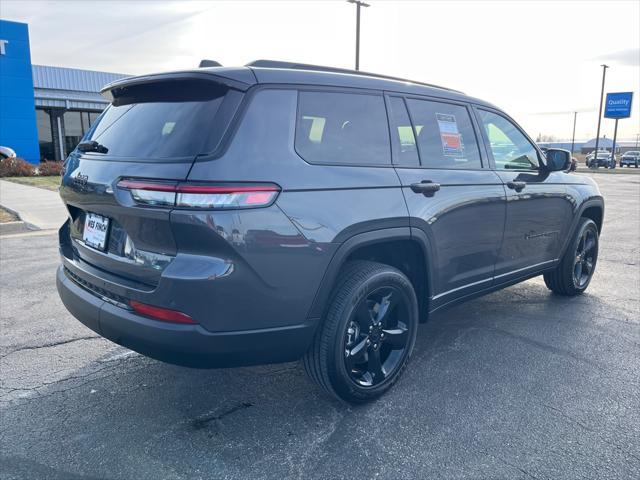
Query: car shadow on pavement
(520, 364)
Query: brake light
(187, 195)
(159, 313)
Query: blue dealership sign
(17, 106)
(618, 105)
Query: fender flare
(592, 202)
(360, 240)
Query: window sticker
(450, 137)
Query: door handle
(517, 186)
(426, 187)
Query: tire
(567, 278)
(356, 331)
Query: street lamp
(358, 4)
(573, 137)
(604, 73)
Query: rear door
(151, 131)
(451, 194)
(539, 205)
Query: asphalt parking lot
(517, 384)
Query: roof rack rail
(320, 68)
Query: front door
(539, 207)
(451, 194)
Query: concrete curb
(9, 228)
(27, 225)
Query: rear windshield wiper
(92, 146)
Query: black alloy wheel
(585, 258)
(377, 337)
(576, 268)
(368, 333)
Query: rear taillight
(159, 313)
(187, 195)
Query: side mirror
(558, 159)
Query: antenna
(209, 63)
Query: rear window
(160, 121)
(342, 128)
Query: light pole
(573, 137)
(595, 157)
(637, 137)
(358, 4)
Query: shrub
(15, 167)
(50, 169)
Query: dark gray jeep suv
(272, 212)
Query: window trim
(352, 91)
(484, 159)
(485, 138)
(395, 160)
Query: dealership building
(44, 111)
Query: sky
(538, 60)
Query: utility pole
(573, 137)
(358, 4)
(613, 147)
(604, 73)
(637, 137)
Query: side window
(342, 128)
(445, 135)
(403, 140)
(511, 149)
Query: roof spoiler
(320, 68)
(116, 88)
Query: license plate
(95, 231)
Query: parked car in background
(603, 159)
(6, 152)
(630, 158)
(590, 156)
(277, 211)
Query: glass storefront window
(45, 135)
(72, 130)
(74, 125)
(93, 116)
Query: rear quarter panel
(286, 247)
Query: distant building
(67, 102)
(607, 144)
(603, 144)
(580, 146)
(44, 111)
(566, 145)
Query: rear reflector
(159, 313)
(185, 195)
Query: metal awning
(57, 87)
(69, 100)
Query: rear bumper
(187, 345)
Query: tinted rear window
(342, 128)
(446, 138)
(161, 121)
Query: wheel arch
(401, 247)
(593, 209)
(596, 213)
